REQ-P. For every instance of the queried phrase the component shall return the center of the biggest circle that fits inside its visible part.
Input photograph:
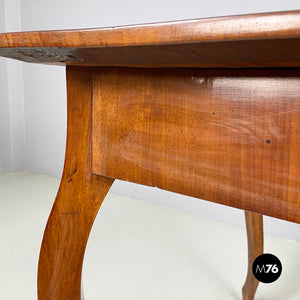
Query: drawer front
(227, 136)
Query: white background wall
(12, 136)
(33, 97)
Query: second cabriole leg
(254, 224)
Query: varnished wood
(257, 40)
(227, 136)
(254, 225)
(78, 200)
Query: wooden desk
(208, 108)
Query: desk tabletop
(255, 40)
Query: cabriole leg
(254, 224)
(78, 200)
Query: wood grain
(78, 200)
(257, 40)
(227, 136)
(255, 238)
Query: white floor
(136, 250)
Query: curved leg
(78, 200)
(254, 224)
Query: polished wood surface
(257, 40)
(78, 200)
(230, 136)
(255, 237)
(227, 136)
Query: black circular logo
(267, 268)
